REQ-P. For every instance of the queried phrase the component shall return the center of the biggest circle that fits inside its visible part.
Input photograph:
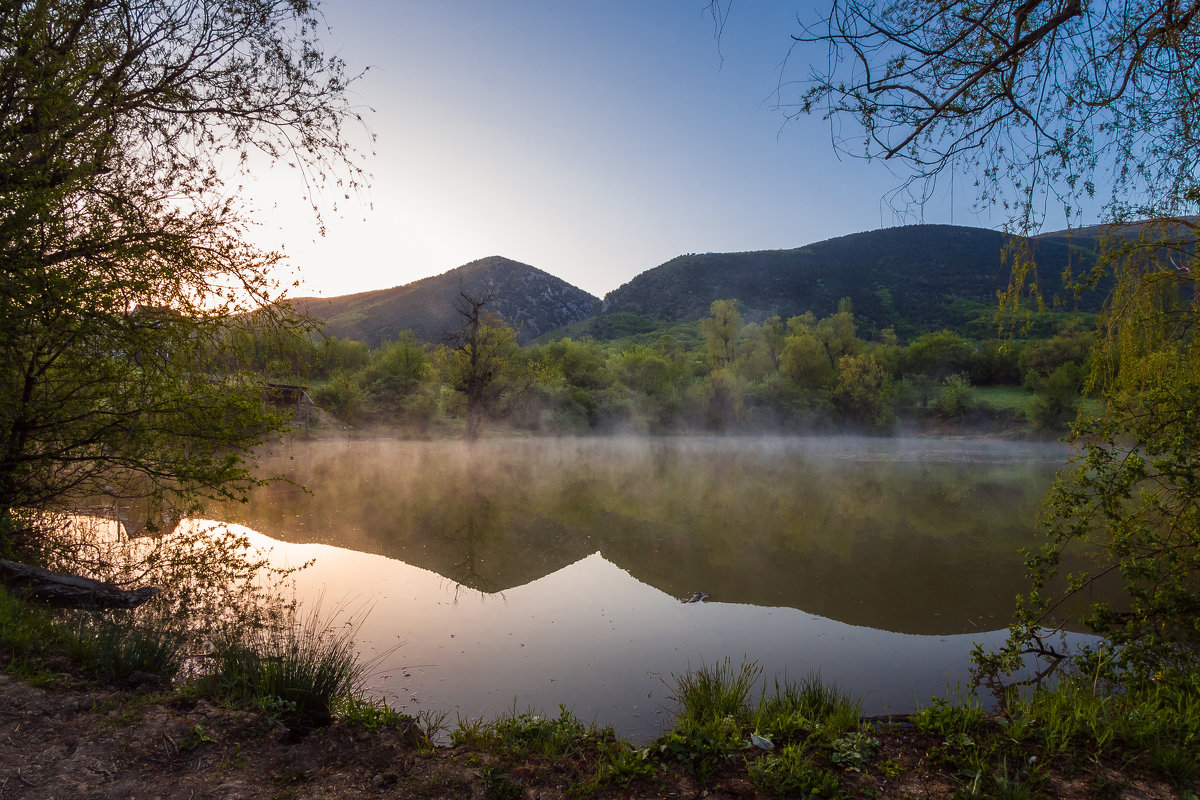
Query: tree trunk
(69, 591)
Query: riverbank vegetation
(729, 735)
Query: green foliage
(947, 718)
(702, 747)
(854, 750)
(939, 355)
(524, 732)
(791, 773)
(479, 364)
(118, 645)
(1057, 397)
(721, 329)
(342, 396)
(794, 709)
(125, 270)
(27, 634)
(954, 398)
(863, 394)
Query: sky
(593, 141)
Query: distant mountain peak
(531, 300)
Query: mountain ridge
(909, 277)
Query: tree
(482, 351)
(863, 393)
(721, 328)
(1080, 104)
(1026, 96)
(122, 257)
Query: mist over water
(553, 570)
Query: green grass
(711, 694)
(28, 636)
(518, 732)
(1005, 398)
(792, 773)
(796, 709)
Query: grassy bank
(727, 737)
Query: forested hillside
(533, 302)
(905, 277)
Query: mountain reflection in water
(552, 571)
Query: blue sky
(591, 140)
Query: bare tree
(482, 352)
(1029, 98)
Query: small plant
(854, 750)
(790, 773)
(196, 736)
(498, 785)
(946, 718)
(700, 748)
(622, 765)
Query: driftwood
(69, 591)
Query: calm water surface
(544, 572)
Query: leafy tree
(954, 396)
(721, 328)
(939, 355)
(343, 396)
(804, 360)
(863, 392)
(1057, 397)
(122, 257)
(654, 379)
(341, 355)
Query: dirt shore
(79, 741)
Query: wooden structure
(293, 398)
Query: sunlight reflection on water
(595, 639)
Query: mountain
(911, 274)
(532, 301)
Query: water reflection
(551, 571)
(910, 536)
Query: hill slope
(892, 275)
(531, 300)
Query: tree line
(720, 374)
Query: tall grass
(303, 669)
(122, 644)
(714, 693)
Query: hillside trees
(123, 260)
(1082, 105)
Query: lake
(535, 572)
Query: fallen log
(69, 591)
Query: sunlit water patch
(534, 573)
